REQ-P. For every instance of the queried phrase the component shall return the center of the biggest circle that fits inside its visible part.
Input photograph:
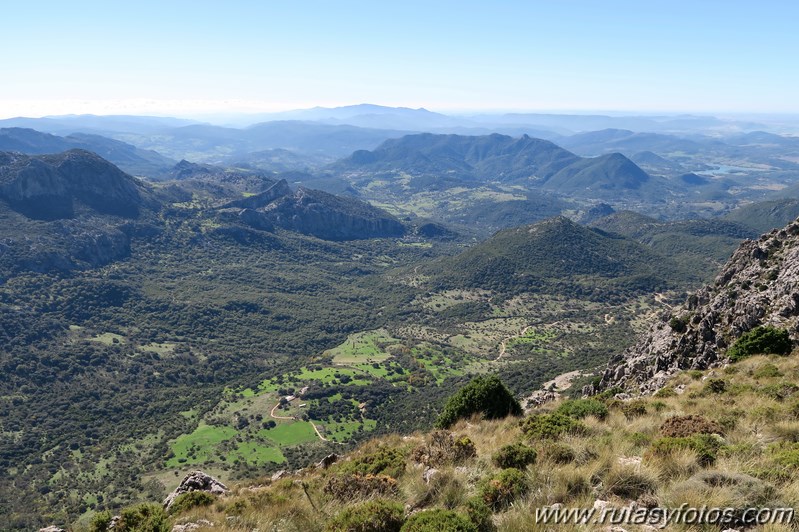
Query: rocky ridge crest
(759, 285)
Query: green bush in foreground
(580, 408)
(767, 371)
(485, 395)
(372, 516)
(517, 456)
(787, 455)
(763, 340)
(190, 500)
(706, 446)
(480, 514)
(438, 520)
(502, 489)
(143, 518)
(100, 522)
(550, 426)
(385, 460)
(632, 409)
(558, 453)
(443, 448)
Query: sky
(190, 58)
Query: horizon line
(200, 109)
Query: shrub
(678, 325)
(480, 514)
(190, 500)
(787, 455)
(550, 426)
(705, 446)
(502, 489)
(438, 520)
(767, 371)
(610, 393)
(353, 486)
(743, 450)
(559, 453)
(680, 426)
(729, 420)
(640, 438)
(764, 340)
(659, 406)
(779, 392)
(236, 507)
(517, 456)
(143, 518)
(371, 516)
(665, 392)
(485, 395)
(100, 522)
(580, 408)
(442, 448)
(717, 386)
(633, 409)
(386, 460)
(793, 410)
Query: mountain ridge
(495, 157)
(759, 285)
(51, 186)
(126, 156)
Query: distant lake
(724, 170)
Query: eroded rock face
(316, 213)
(759, 285)
(276, 191)
(51, 187)
(196, 481)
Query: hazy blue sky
(178, 57)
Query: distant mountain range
(372, 116)
(378, 116)
(97, 124)
(680, 166)
(607, 140)
(133, 160)
(454, 159)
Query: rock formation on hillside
(759, 285)
(316, 213)
(196, 481)
(50, 187)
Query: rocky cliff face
(759, 285)
(263, 199)
(72, 210)
(332, 217)
(51, 187)
(315, 213)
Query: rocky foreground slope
(759, 285)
